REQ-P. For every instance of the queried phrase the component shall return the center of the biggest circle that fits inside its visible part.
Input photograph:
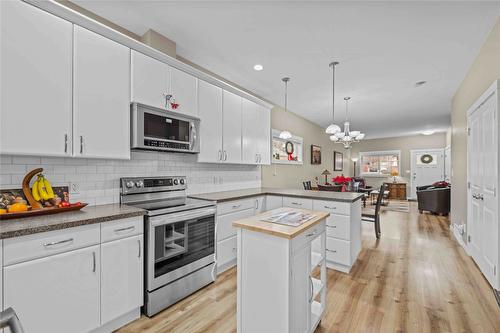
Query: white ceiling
(384, 48)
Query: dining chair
(9, 319)
(375, 217)
(307, 185)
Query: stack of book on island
(293, 219)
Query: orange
(3, 211)
(18, 207)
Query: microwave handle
(192, 136)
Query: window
(380, 163)
(280, 155)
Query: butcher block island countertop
(281, 276)
(256, 223)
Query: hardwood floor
(416, 278)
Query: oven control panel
(152, 184)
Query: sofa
(434, 199)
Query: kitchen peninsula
(343, 226)
(281, 274)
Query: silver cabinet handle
(333, 226)
(65, 143)
(311, 234)
(333, 251)
(139, 243)
(312, 289)
(124, 229)
(257, 204)
(256, 158)
(219, 155)
(296, 203)
(225, 155)
(236, 206)
(328, 207)
(93, 262)
(81, 144)
(66, 241)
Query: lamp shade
(326, 173)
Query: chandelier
(347, 137)
(285, 135)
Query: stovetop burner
(162, 195)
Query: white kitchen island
(281, 274)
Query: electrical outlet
(74, 188)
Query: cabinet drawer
(333, 207)
(273, 202)
(225, 227)
(226, 251)
(297, 203)
(338, 251)
(235, 206)
(337, 226)
(121, 228)
(307, 236)
(48, 243)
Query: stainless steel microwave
(157, 129)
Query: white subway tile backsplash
(98, 179)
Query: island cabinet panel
(101, 96)
(273, 202)
(227, 213)
(56, 294)
(294, 202)
(343, 231)
(35, 81)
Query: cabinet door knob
(81, 144)
(65, 143)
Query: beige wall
(292, 176)
(484, 70)
(405, 144)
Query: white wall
(99, 179)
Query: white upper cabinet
(183, 88)
(250, 132)
(264, 135)
(150, 80)
(101, 107)
(210, 113)
(35, 81)
(231, 127)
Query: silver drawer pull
(333, 226)
(93, 262)
(236, 206)
(311, 234)
(124, 229)
(328, 207)
(66, 241)
(139, 243)
(333, 251)
(296, 203)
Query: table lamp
(394, 174)
(326, 173)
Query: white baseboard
(119, 322)
(458, 236)
(338, 267)
(230, 264)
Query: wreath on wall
(426, 159)
(289, 149)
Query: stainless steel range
(180, 239)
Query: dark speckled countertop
(88, 215)
(248, 193)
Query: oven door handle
(181, 216)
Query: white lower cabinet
(260, 204)
(122, 277)
(273, 202)
(59, 293)
(226, 254)
(68, 281)
(301, 203)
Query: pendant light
(285, 135)
(333, 128)
(347, 137)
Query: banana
(42, 190)
(34, 191)
(48, 188)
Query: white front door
(427, 167)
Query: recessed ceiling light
(420, 83)
(428, 132)
(258, 67)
